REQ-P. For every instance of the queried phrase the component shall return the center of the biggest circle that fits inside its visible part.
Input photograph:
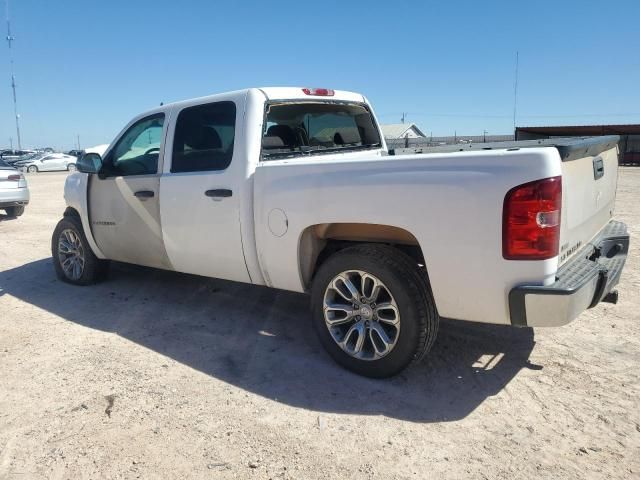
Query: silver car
(14, 192)
(48, 163)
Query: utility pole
(455, 136)
(515, 94)
(10, 39)
(403, 117)
(484, 136)
(78, 137)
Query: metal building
(629, 137)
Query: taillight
(15, 177)
(531, 220)
(319, 92)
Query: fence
(437, 141)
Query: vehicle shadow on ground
(4, 217)
(261, 340)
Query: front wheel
(73, 259)
(373, 310)
(32, 169)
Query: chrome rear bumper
(581, 283)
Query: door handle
(144, 194)
(219, 193)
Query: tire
(407, 287)
(32, 169)
(71, 167)
(15, 211)
(93, 269)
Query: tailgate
(589, 180)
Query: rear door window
(204, 138)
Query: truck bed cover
(571, 148)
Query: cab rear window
(308, 128)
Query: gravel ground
(155, 374)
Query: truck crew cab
(293, 188)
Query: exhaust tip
(611, 297)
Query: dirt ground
(161, 375)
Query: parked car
(48, 163)
(12, 160)
(9, 155)
(14, 192)
(294, 189)
(75, 153)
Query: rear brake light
(15, 178)
(319, 92)
(531, 220)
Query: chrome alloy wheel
(361, 315)
(71, 254)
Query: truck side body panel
(451, 203)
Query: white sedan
(49, 162)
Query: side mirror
(89, 163)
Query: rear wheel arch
(318, 242)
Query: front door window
(138, 150)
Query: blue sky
(87, 67)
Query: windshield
(306, 128)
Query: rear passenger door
(200, 191)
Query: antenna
(10, 39)
(515, 94)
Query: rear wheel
(71, 167)
(373, 310)
(32, 169)
(73, 259)
(15, 211)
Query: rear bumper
(580, 284)
(12, 197)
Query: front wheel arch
(71, 212)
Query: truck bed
(571, 148)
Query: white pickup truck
(294, 188)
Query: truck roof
(270, 93)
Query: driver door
(56, 163)
(123, 199)
(47, 164)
